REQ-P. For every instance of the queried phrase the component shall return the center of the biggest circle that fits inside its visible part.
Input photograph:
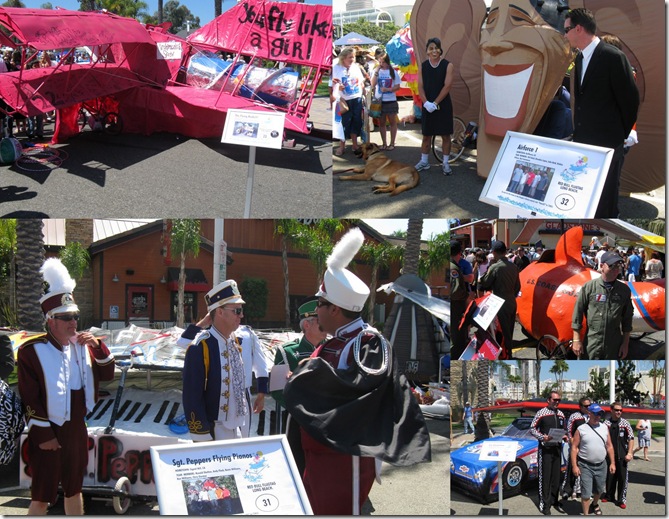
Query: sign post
(253, 128)
(499, 452)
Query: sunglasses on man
(67, 317)
(236, 311)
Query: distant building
(378, 12)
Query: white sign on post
(245, 476)
(537, 176)
(498, 451)
(254, 128)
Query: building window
(190, 307)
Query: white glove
(430, 106)
(632, 139)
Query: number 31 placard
(247, 476)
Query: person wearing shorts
(385, 82)
(590, 445)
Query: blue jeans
(469, 422)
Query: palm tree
(160, 11)
(657, 372)
(287, 228)
(218, 8)
(412, 246)
(317, 241)
(8, 245)
(559, 368)
(483, 375)
(537, 375)
(437, 256)
(185, 239)
(75, 258)
(378, 255)
(29, 259)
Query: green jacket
(295, 351)
(458, 285)
(608, 313)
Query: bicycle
(94, 115)
(457, 139)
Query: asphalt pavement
(646, 495)
(169, 175)
(650, 346)
(439, 196)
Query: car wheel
(513, 476)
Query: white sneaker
(446, 169)
(422, 165)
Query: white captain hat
(340, 286)
(225, 293)
(59, 298)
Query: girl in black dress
(435, 77)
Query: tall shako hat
(341, 287)
(225, 293)
(59, 299)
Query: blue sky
(202, 8)
(386, 226)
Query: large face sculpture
(524, 60)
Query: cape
(359, 413)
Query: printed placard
(498, 451)
(245, 476)
(537, 176)
(254, 128)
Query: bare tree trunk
(29, 259)
(180, 293)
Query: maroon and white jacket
(48, 371)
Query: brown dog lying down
(398, 176)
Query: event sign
(536, 176)
(487, 309)
(254, 128)
(244, 476)
(498, 451)
(168, 50)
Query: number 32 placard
(540, 177)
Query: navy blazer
(607, 101)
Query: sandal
(383, 147)
(596, 510)
(391, 147)
(357, 152)
(339, 152)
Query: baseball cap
(498, 246)
(610, 258)
(595, 408)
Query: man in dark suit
(605, 98)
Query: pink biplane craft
(155, 81)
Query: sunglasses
(323, 302)
(556, 399)
(617, 410)
(236, 311)
(567, 29)
(67, 317)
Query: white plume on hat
(346, 249)
(56, 274)
(340, 286)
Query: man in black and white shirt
(549, 454)
(622, 440)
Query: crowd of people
(496, 269)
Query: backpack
(11, 422)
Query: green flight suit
(608, 313)
(459, 338)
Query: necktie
(579, 67)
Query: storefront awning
(195, 280)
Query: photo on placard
(215, 495)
